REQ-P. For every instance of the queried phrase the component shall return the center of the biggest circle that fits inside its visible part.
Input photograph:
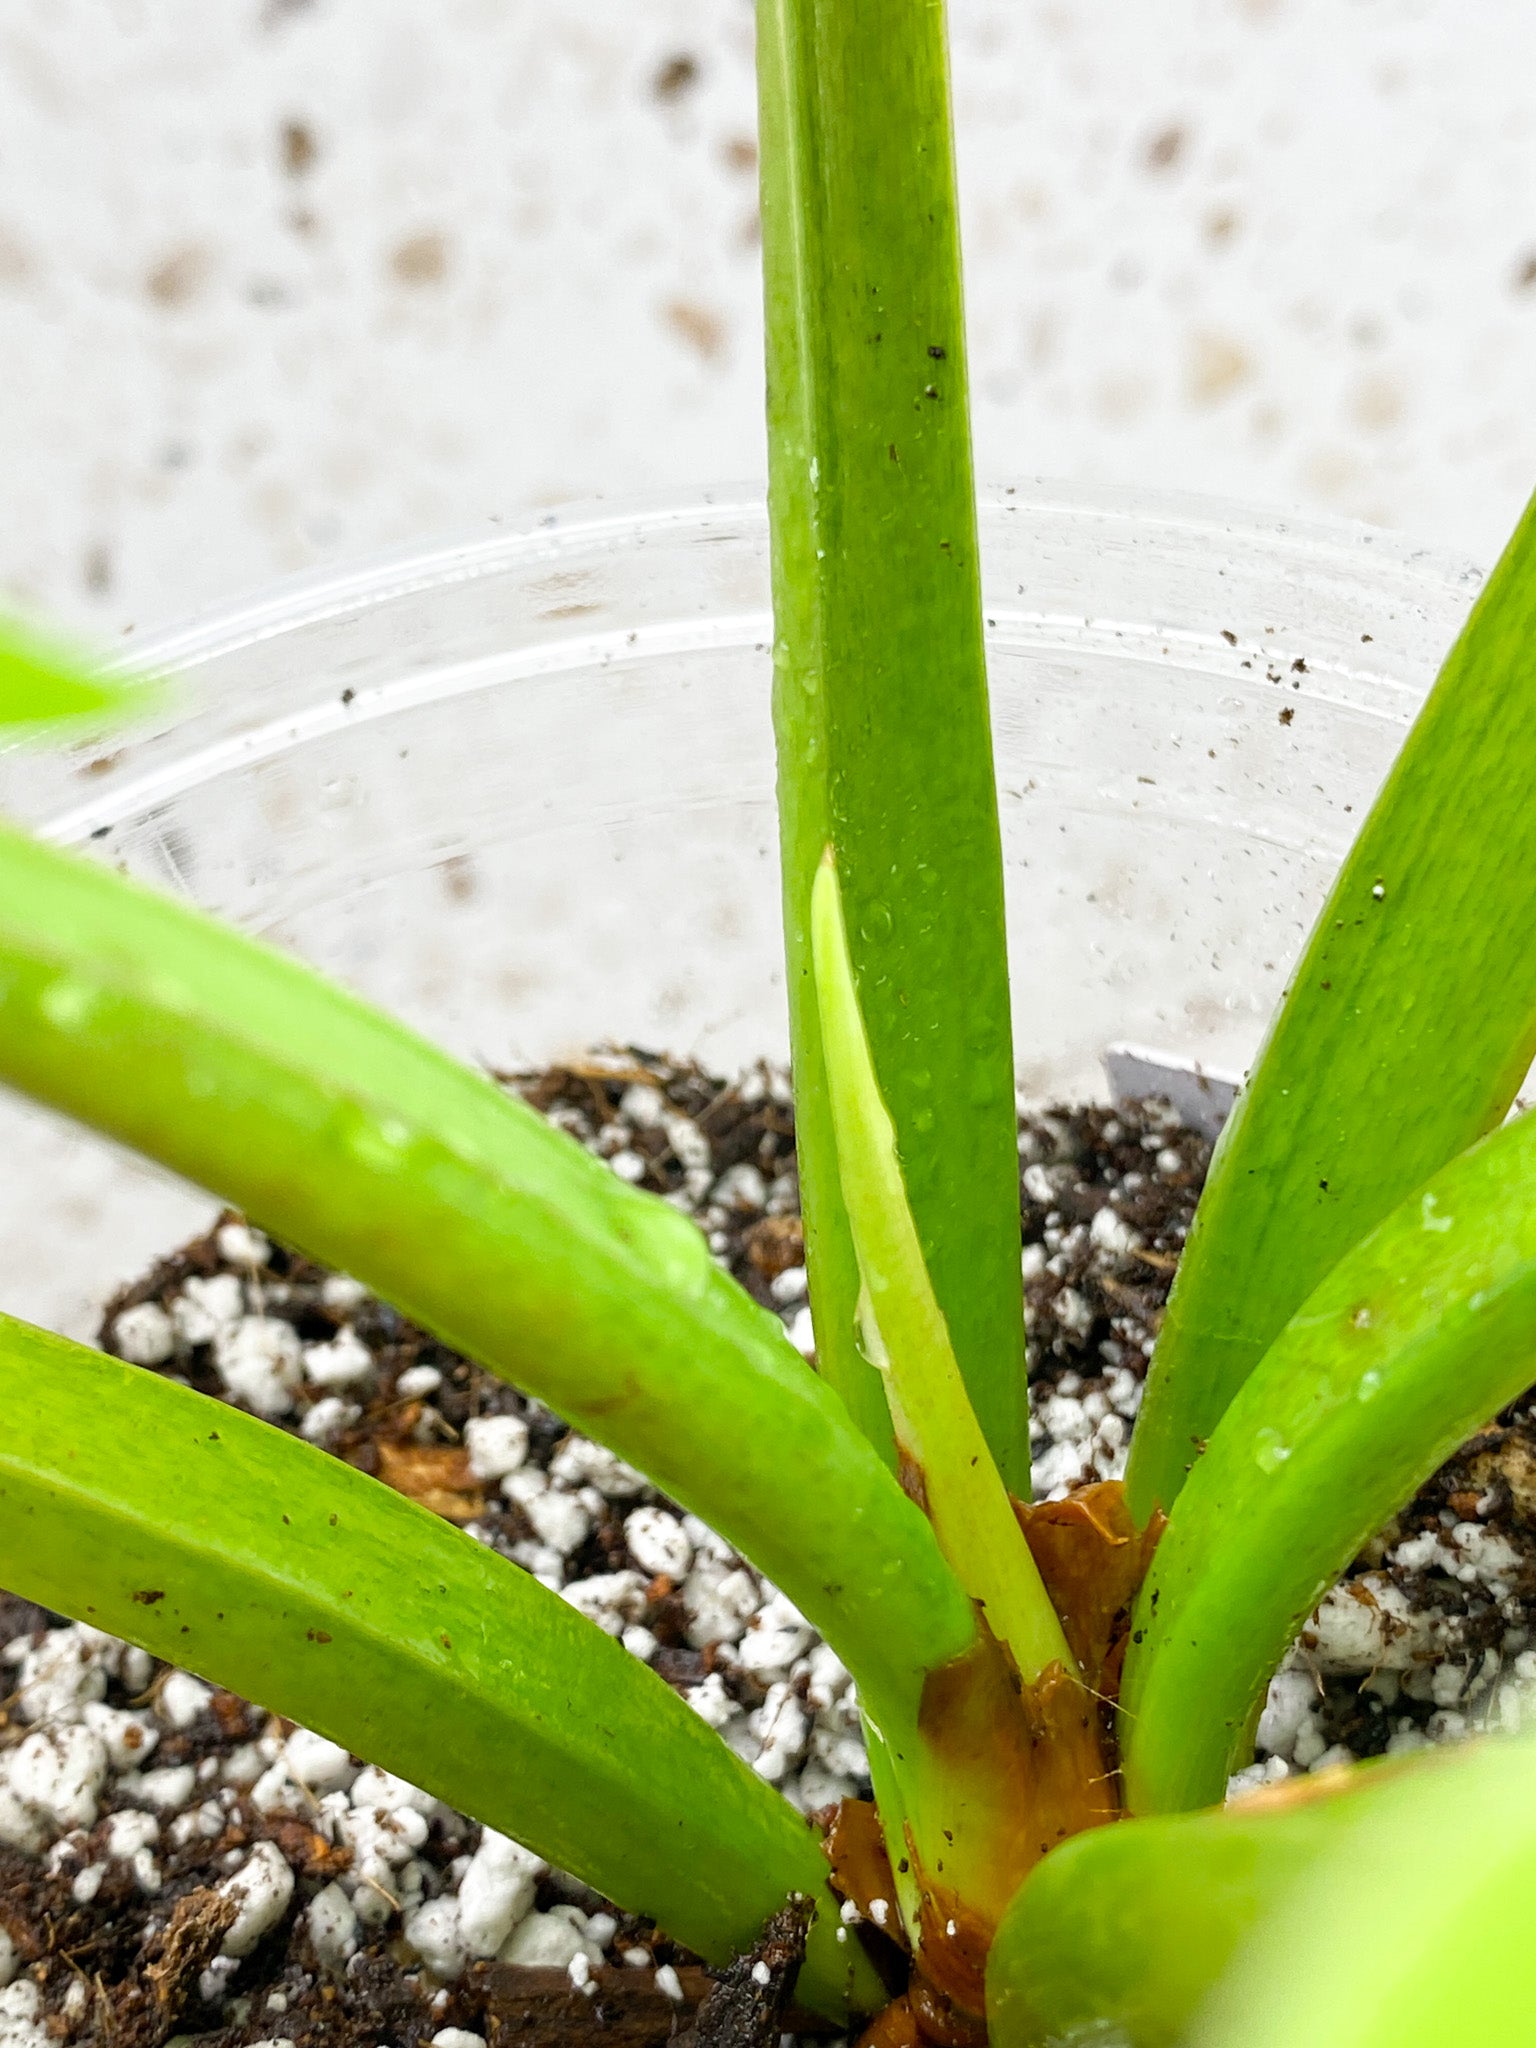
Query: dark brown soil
(124, 1969)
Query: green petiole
(944, 1456)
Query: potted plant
(1356, 1295)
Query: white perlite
(206, 1308)
(242, 1246)
(497, 1445)
(496, 1892)
(130, 1738)
(20, 2025)
(328, 1418)
(168, 1788)
(144, 1335)
(550, 1941)
(1369, 1631)
(258, 1358)
(333, 1927)
(658, 1542)
(345, 1361)
(433, 1931)
(182, 1699)
(580, 1462)
(261, 1888)
(58, 1771)
(614, 1600)
(315, 1764)
(59, 1673)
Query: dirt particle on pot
(1166, 148)
(701, 329)
(675, 76)
(179, 276)
(298, 150)
(420, 259)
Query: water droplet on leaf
(982, 1084)
(1430, 1217)
(68, 1002)
(1270, 1450)
(379, 1142)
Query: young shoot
(945, 1464)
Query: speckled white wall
(285, 280)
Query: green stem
(880, 692)
(890, 1804)
(969, 1800)
(906, 1335)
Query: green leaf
(960, 1806)
(43, 690)
(220, 1543)
(1414, 1339)
(905, 1331)
(880, 691)
(1409, 1024)
(345, 1133)
(1129, 1927)
(1412, 1932)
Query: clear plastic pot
(520, 790)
